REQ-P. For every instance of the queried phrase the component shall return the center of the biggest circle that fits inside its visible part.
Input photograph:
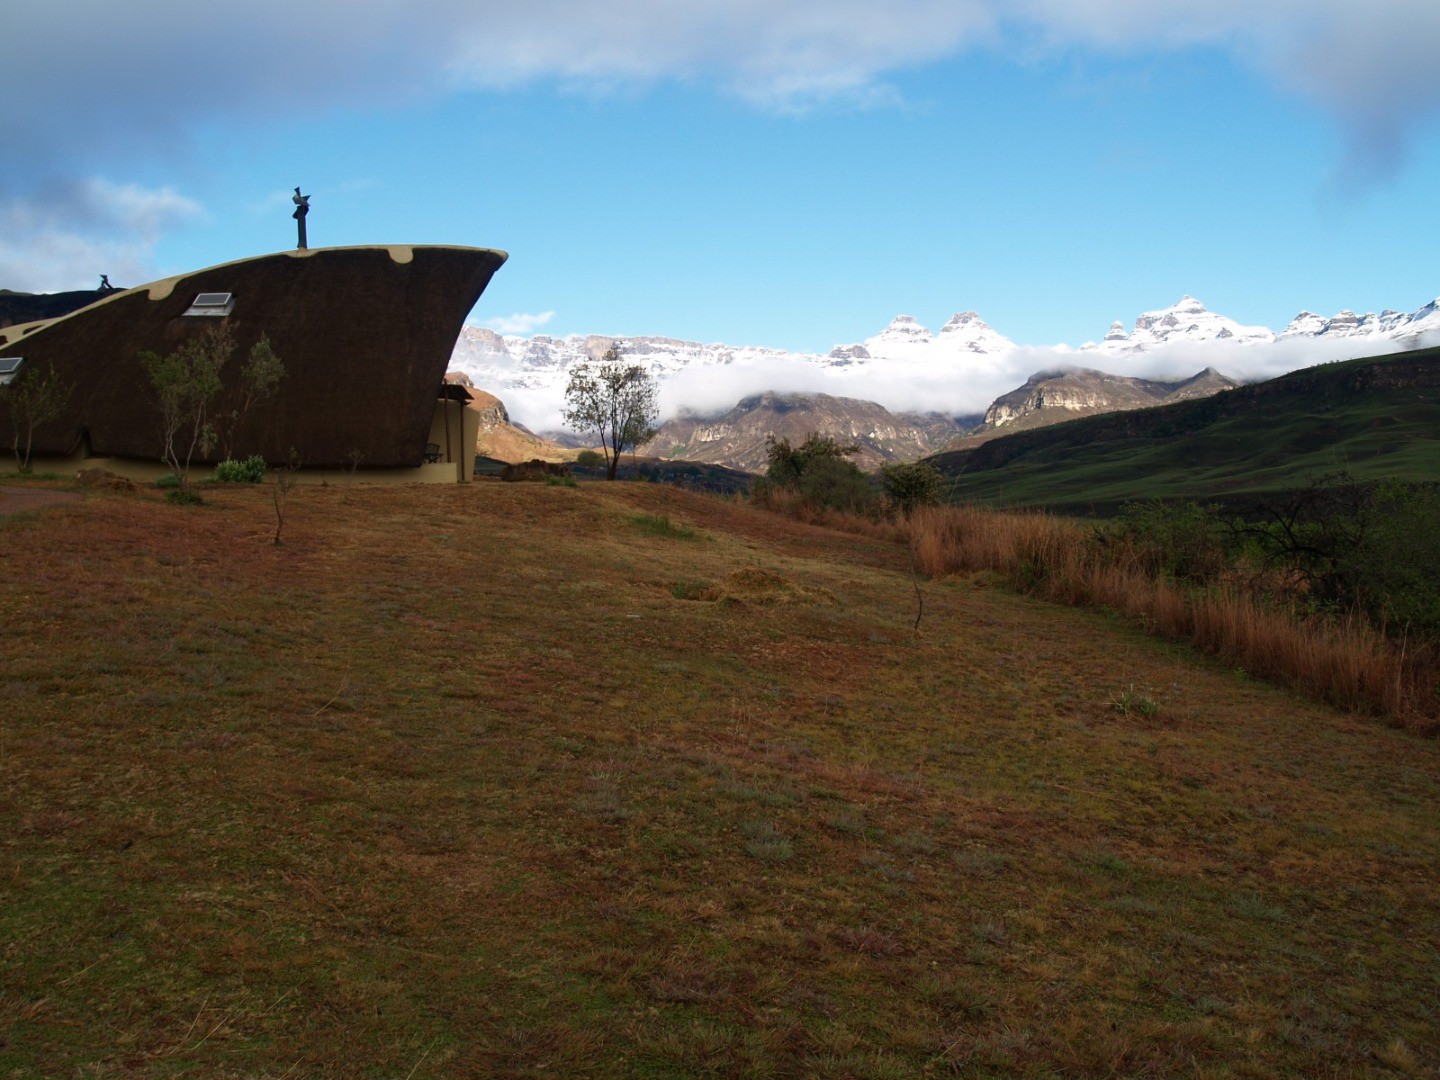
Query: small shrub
(1182, 541)
(837, 484)
(169, 480)
(249, 471)
(183, 497)
(788, 464)
(661, 525)
(560, 481)
(590, 459)
(910, 486)
(1136, 702)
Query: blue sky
(790, 173)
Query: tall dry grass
(792, 504)
(1344, 660)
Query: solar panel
(212, 303)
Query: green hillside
(1378, 418)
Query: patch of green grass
(1133, 702)
(661, 525)
(689, 590)
(765, 842)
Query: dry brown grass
(789, 503)
(453, 784)
(1340, 660)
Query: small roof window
(212, 303)
(9, 368)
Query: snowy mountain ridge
(966, 353)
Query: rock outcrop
(1050, 397)
(738, 437)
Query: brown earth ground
(15, 500)
(517, 780)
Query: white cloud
(1371, 66)
(75, 232)
(519, 323)
(784, 53)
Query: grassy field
(617, 780)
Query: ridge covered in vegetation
(1377, 418)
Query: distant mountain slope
(737, 437)
(1052, 396)
(1378, 417)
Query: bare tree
(284, 481)
(259, 377)
(615, 399)
(37, 396)
(186, 382)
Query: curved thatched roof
(365, 334)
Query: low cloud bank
(521, 322)
(965, 387)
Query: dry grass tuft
(761, 588)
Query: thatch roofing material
(365, 335)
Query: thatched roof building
(365, 334)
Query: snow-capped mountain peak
(967, 332)
(1185, 320)
(904, 331)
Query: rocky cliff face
(1050, 397)
(737, 437)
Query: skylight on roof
(9, 368)
(212, 303)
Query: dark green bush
(1182, 541)
(1393, 569)
(911, 485)
(837, 484)
(820, 470)
(1352, 547)
(788, 464)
